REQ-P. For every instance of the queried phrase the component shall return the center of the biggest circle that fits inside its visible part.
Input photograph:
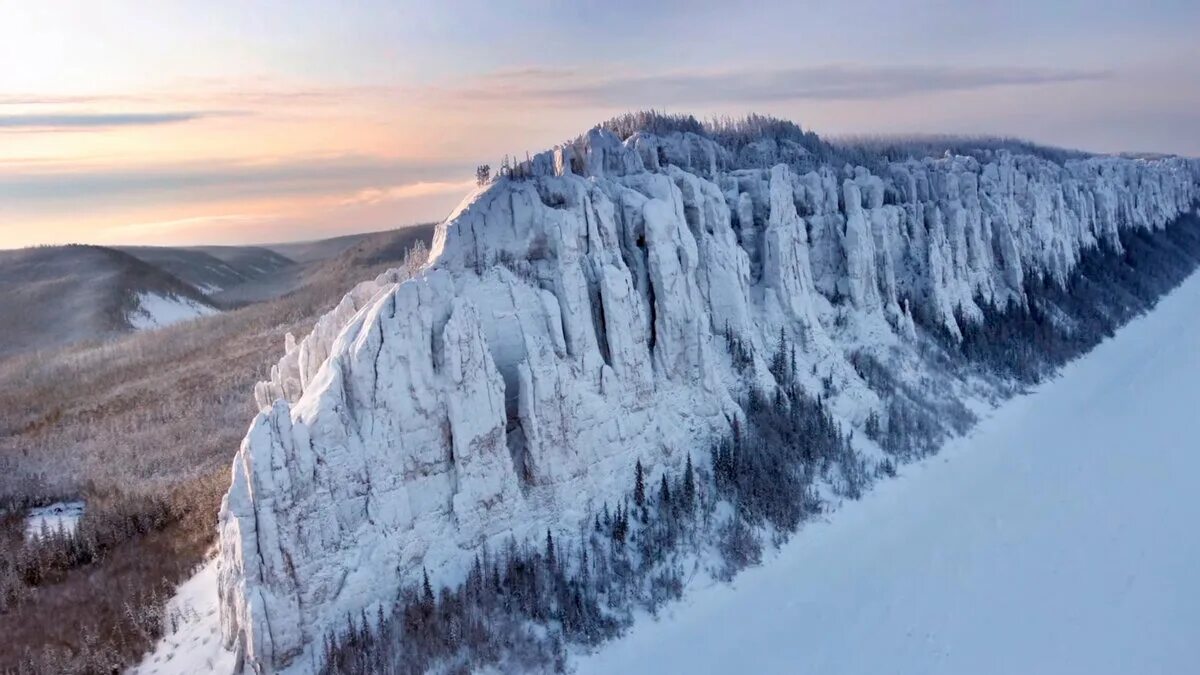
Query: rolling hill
(79, 293)
(212, 269)
(67, 294)
(318, 249)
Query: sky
(188, 122)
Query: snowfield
(159, 311)
(57, 517)
(194, 644)
(1058, 537)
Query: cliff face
(573, 321)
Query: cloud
(66, 187)
(829, 82)
(564, 87)
(55, 99)
(63, 121)
(193, 223)
(208, 92)
(372, 196)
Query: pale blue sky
(168, 121)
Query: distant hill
(212, 269)
(318, 249)
(319, 260)
(251, 261)
(380, 247)
(58, 295)
(69, 294)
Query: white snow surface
(158, 311)
(59, 516)
(573, 322)
(193, 640)
(1059, 537)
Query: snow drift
(573, 319)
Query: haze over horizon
(221, 123)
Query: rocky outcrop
(572, 321)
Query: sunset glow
(190, 122)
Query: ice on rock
(571, 322)
(301, 360)
(859, 245)
(786, 268)
(411, 388)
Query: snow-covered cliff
(573, 320)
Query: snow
(195, 644)
(158, 311)
(58, 516)
(1059, 537)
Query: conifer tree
(689, 486)
(427, 590)
(639, 486)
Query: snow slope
(194, 646)
(158, 311)
(1059, 537)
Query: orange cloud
(398, 192)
